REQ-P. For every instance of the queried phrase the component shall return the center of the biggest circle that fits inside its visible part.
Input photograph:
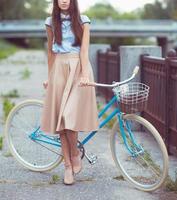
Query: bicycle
(136, 146)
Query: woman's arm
(84, 55)
(50, 53)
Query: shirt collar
(64, 16)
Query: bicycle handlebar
(135, 71)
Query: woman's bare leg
(68, 175)
(72, 137)
(65, 148)
(74, 151)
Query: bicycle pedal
(93, 162)
(91, 158)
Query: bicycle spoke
(47, 148)
(23, 123)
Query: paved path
(94, 182)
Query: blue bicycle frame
(39, 136)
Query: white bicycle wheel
(22, 122)
(148, 167)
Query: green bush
(55, 179)
(26, 73)
(105, 115)
(11, 94)
(6, 49)
(170, 184)
(1, 142)
(7, 106)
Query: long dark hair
(75, 22)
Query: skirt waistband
(68, 55)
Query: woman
(70, 103)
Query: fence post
(98, 62)
(170, 56)
(102, 70)
(107, 72)
(141, 64)
(142, 72)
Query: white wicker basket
(132, 97)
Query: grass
(1, 142)
(171, 185)
(8, 154)
(109, 124)
(7, 107)
(55, 179)
(25, 74)
(119, 178)
(149, 159)
(11, 94)
(7, 49)
(19, 62)
(86, 180)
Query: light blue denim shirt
(67, 34)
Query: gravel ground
(94, 182)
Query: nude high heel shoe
(68, 175)
(76, 163)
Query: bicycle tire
(120, 164)
(15, 148)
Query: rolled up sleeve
(85, 19)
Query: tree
(12, 9)
(155, 11)
(171, 8)
(166, 9)
(102, 11)
(107, 11)
(23, 9)
(35, 9)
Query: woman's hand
(84, 80)
(45, 84)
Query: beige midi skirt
(67, 105)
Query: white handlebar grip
(136, 69)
